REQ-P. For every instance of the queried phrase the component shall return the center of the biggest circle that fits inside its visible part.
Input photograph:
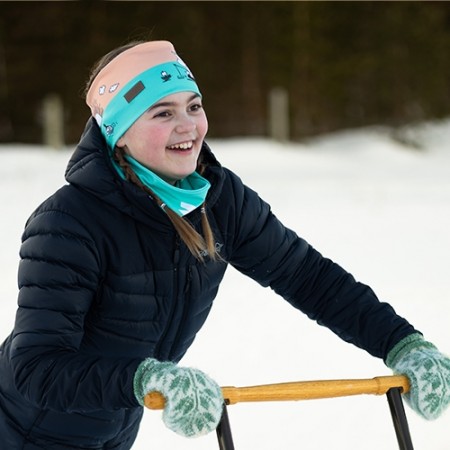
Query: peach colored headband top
(132, 82)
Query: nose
(185, 124)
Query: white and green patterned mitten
(428, 372)
(194, 402)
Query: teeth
(182, 146)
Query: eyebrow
(164, 104)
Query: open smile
(183, 146)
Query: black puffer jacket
(105, 282)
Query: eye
(195, 106)
(162, 114)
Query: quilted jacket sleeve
(275, 256)
(58, 278)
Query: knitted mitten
(194, 401)
(428, 372)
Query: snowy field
(378, 207)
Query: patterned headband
(134, 81)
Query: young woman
(120, 267)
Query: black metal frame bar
(399, 418)
(223, 431)
(396, 407)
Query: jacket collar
(91, 170)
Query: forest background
(342, 64)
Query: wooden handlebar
(300, 390)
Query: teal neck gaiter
(187, 195)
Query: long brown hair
(200, 246)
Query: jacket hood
(90, 169)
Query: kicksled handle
(300, 390)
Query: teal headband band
(141, 93)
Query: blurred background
(356, 88)
(317, 67)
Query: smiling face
(168, 137)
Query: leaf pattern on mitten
(428, 372)
(194, 401)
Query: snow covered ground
(379, 207)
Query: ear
(121, 142)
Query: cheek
(157, 134)
(152, 136)
(145, 143)
(203, 126)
